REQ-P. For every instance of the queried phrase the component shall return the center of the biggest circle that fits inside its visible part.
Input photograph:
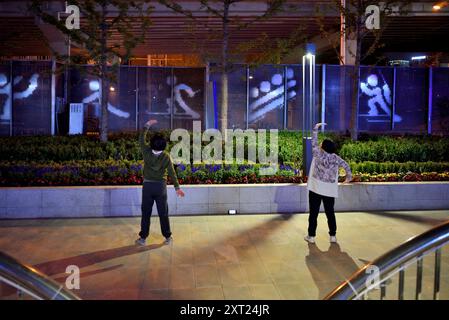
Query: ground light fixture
(232, 211)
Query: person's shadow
(58, 267)
(329, 268)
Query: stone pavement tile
(215, 293)
(217, 222)
(201, 239)
(272, 253)
(182, 277)
(156, 278)
(206, 276)
(182, 225)
(264, 292)
(238, 239)
(133, 257)
(227, 252)
(111, 294)
(160, 294)
(204, 255)
(256, 273)
(292, 291)
(114, 279)
(307, 289)
(282, 272)
(232, 275)
(159, 257)
(182, 239)
(324, 271)
(248, 254)
(199, 226)
(181, 255)
(237, 293)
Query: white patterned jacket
(323, 175)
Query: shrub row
(126, 147)
(371, 167)
(400, 149)
(130, 173)
(125, 172)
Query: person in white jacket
(322, 183)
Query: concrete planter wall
(50, 202)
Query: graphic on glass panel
(179, 100)
(5, 88)
(380, 98)
(94, 86)
(270, 98)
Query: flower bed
(126, 147)
(81, 160)
(125, 172)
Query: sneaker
(140, 242)
(309, 239)
(168, 240)
(333, 239)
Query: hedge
(126, 147)
(125, 172)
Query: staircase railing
(378, 274)
(31, 281)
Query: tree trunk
(224, 102)
(104, 80)
(224, 70)
(104, 109)
(354, 125)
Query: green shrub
(370, 167)
(126, 147)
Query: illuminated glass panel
(31, 109)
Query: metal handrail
(31, 281)
(395, 260)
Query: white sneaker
(309, 239)
(168, 241)
(140, 242)
(333, 239)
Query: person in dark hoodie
(157, 163)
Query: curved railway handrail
(31, 281)
(395, 260)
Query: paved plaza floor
(217, 257)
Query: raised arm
(316, 150)
(142, 137)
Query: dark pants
(151, 192)
(314, 208)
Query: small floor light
(232, 211)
